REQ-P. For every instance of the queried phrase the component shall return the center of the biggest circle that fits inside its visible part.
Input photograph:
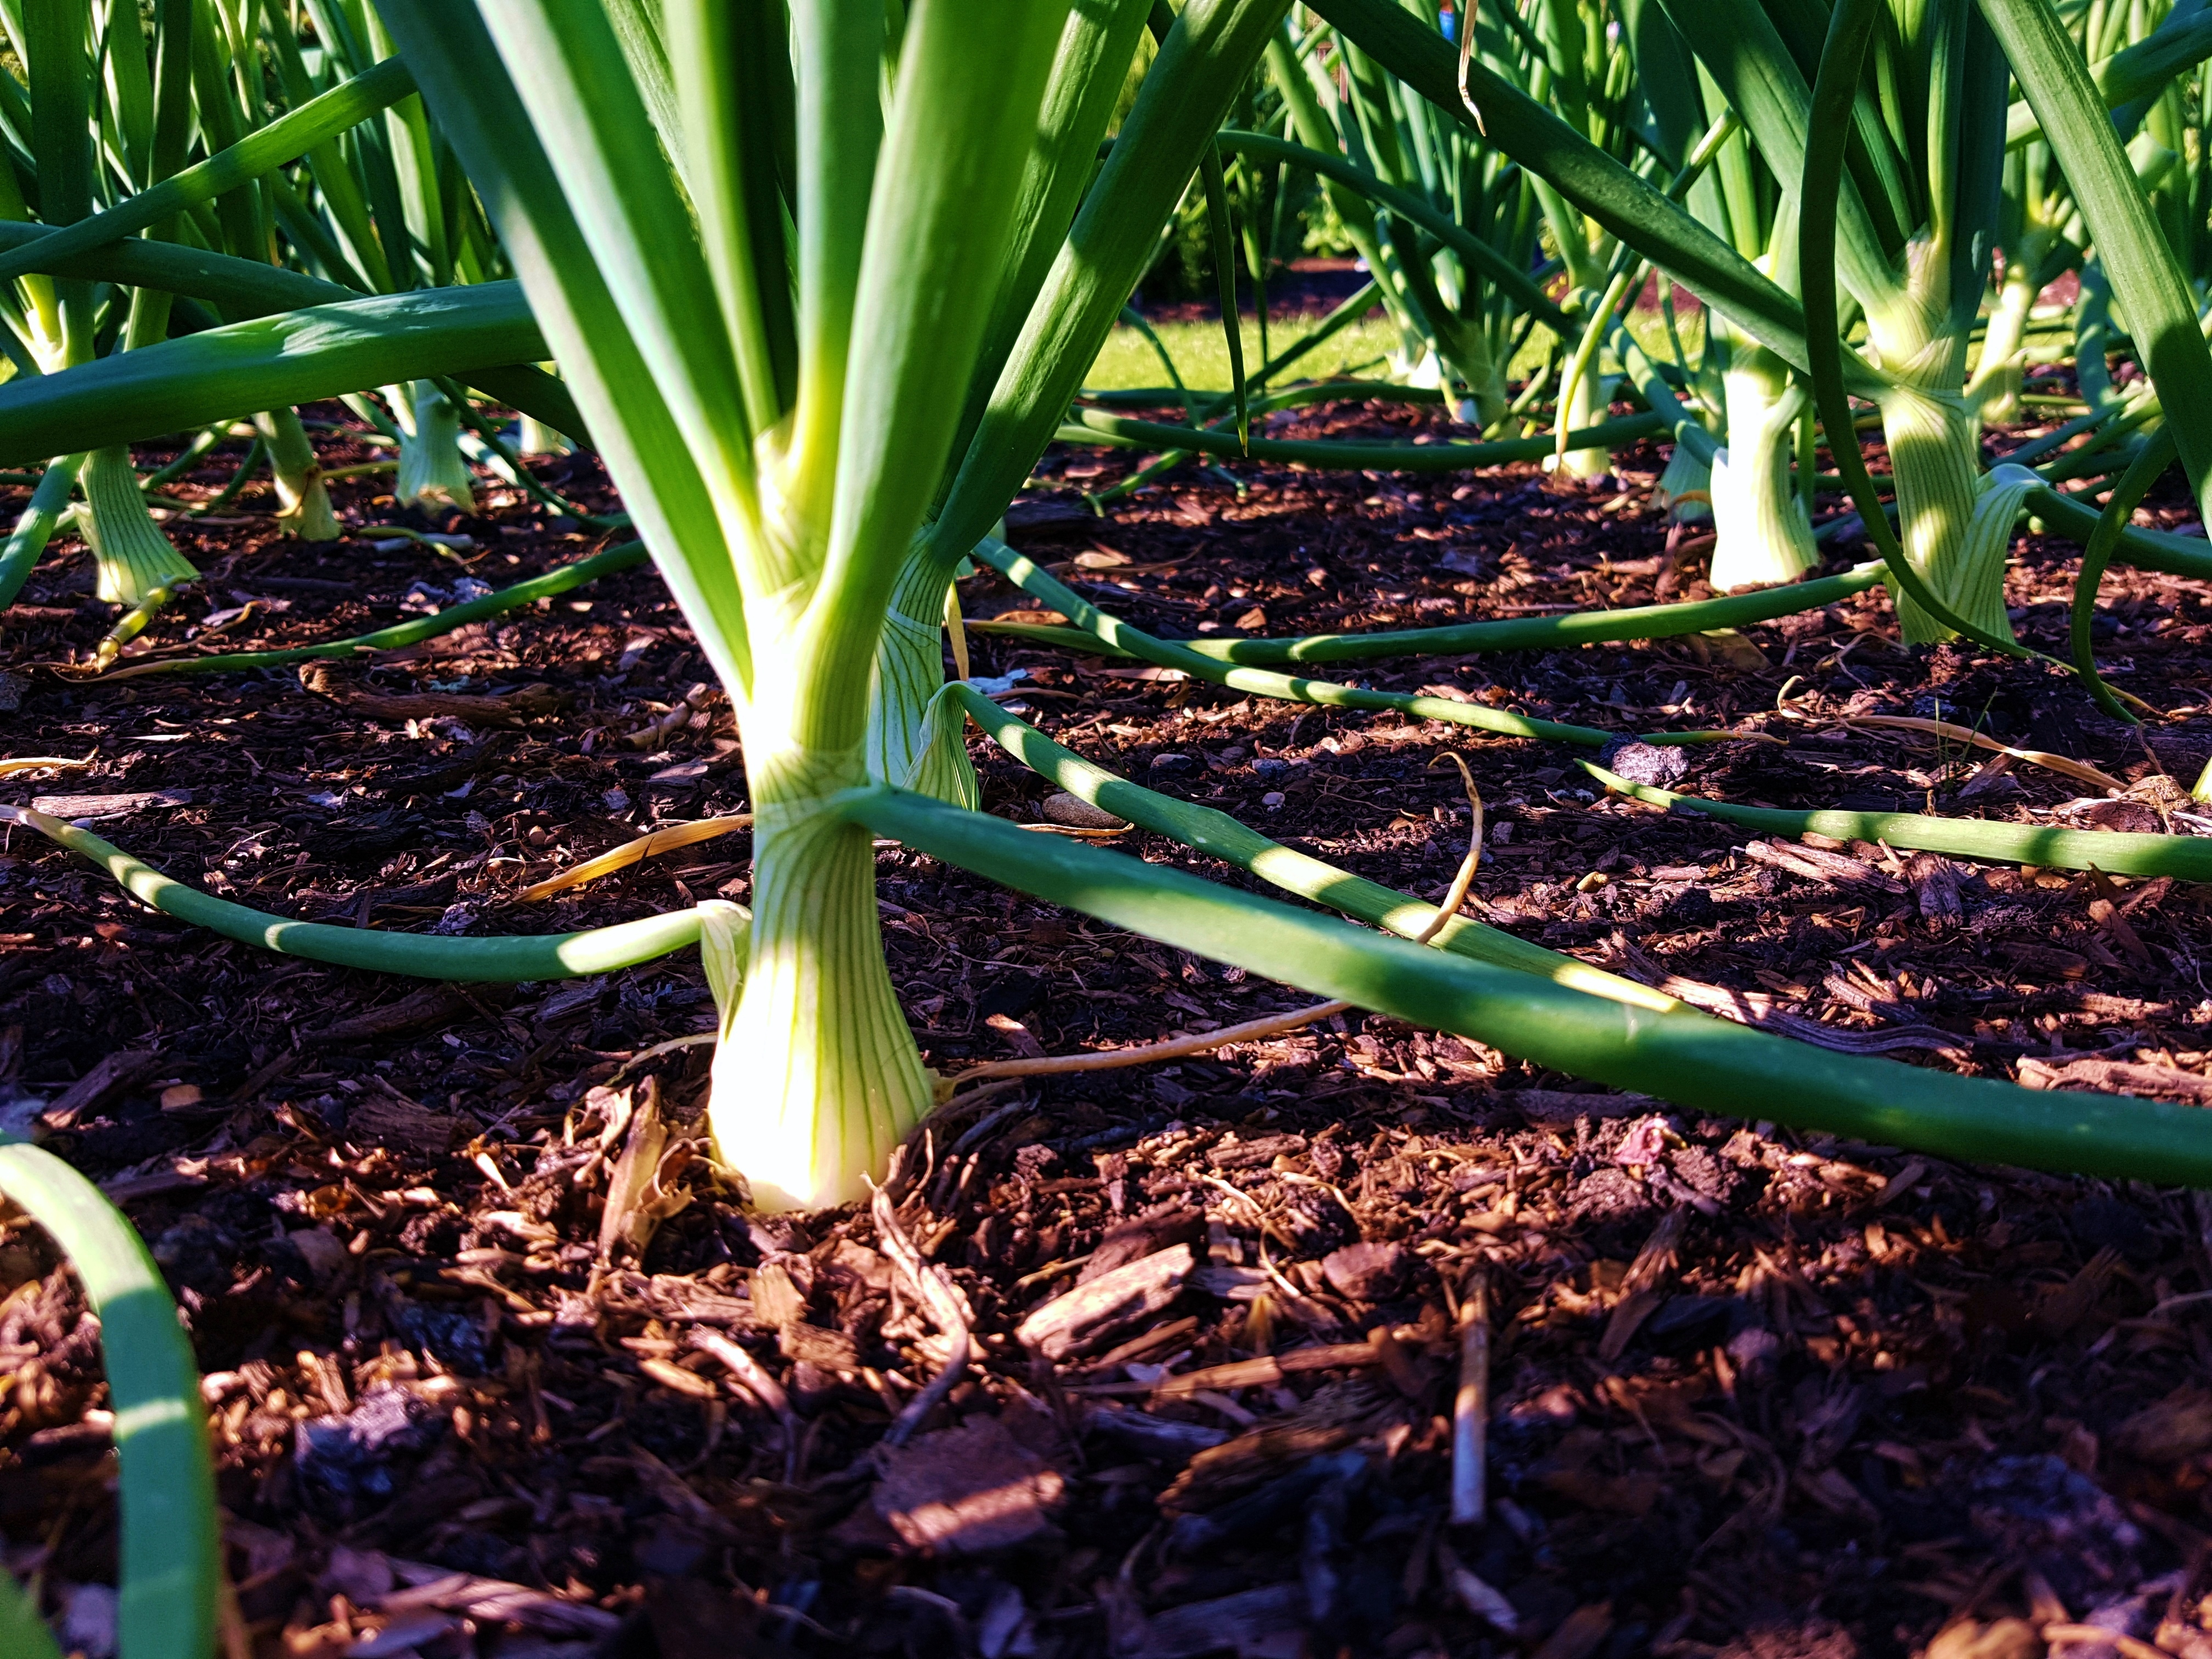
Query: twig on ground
(754, 1378)
(1146, 1054)
(2080, 771)
(936, 1291)
(1250, 1030)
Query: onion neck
(817, 1078)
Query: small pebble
(1271, 799)
(1658, 765)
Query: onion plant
(781, 414)
(2116, 210)
(1761, 519)
(49, 326)
(1918, 214)
(394, 215)
(374, 205)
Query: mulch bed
(1752, 1391)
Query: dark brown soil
(1752, 1393)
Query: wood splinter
(1471, 1408)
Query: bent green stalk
(293, 358)
(2186, 858)
(1288, 398)
(27, 543)
(1327, 694)
(1096, 426)
(1696, 1061)
(1645, 622)
(171, 1554)
(628, 556)
(1219, 835)
(2146, 550)
(425, 956)
(2157, 455)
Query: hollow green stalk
(130, 624)
(425, 956)
(1289, 687)
(2096, 554)
(27, 543)
(1204, 58)
(170, 1542)
(1702, 1063)
(1588, 407)
(628, 556)
(2187, 858)
(1601, 436)
(1643, 622)
(2068, 849)
(1995, 389)
(1218, 836)
(293, 357)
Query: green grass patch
(1201, 354)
